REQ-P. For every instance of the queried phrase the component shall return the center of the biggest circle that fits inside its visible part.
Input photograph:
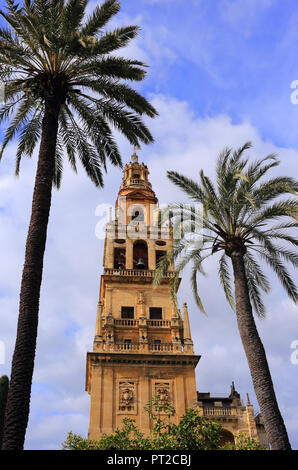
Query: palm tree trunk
(257, 361)
(18, 401)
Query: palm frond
(187, 185)
(17, 122)
(255, 295)
(28, 138)
(100, 16)
(58, 163)
(225, 279)
(194, 286)
(278, 267)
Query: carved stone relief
(162, 389)
(127, 396)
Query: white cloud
(243, 15)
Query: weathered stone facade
(143, 345)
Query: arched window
(140, 255)
(119, 258)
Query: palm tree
(239, 220)
(66, 88)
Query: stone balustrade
(152, 231)
(134, 273)
(159, 323)
(138, 347)
(217, 411)
(126, 322)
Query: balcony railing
(136, 181)
(164, 347)
(139, 347)
(219, 411)
(126, 322)
(135, 273)
(159, 323)
(153, 231)
(126, 346)
(149, 323)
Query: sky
(220, 74)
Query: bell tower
(142, 344)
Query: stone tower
(142, 345)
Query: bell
(140, 264)
(120, 264)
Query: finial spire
(187, 334)
(188, 344)
(134, 156)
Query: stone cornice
(182, 359)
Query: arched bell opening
(119, 258)
(140, 255)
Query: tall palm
(66, 88)
(239, 221)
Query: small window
(127, 341)
(127, 312)
(155, 313)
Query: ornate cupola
(135, 177)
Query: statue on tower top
(134, 156)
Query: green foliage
(4, 385)
(128, 438)
(76, 442)
(161, 413)
(242, 442)
(52, 53)
(240, 213)
(193, 432)
(196, 433)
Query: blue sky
(220, 74)
(235, 57)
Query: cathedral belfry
(142, 345)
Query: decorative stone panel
(126, 396)
(163, 389)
